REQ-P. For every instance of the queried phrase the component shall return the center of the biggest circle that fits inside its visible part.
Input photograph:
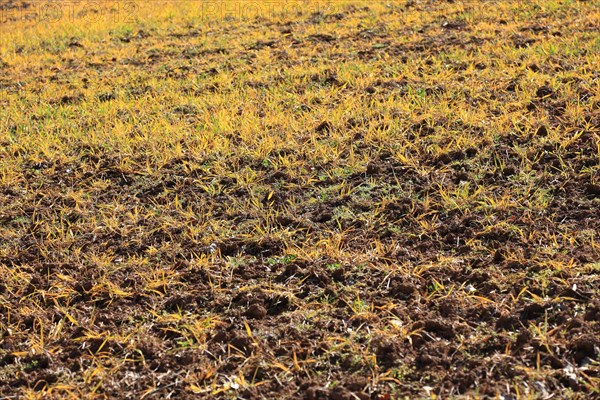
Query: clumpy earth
(334, 200)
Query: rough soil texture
(360, 202)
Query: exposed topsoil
(359, 202)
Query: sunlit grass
(173, 175)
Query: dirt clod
(256, 311)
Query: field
(317, 200)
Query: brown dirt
(485, 309)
